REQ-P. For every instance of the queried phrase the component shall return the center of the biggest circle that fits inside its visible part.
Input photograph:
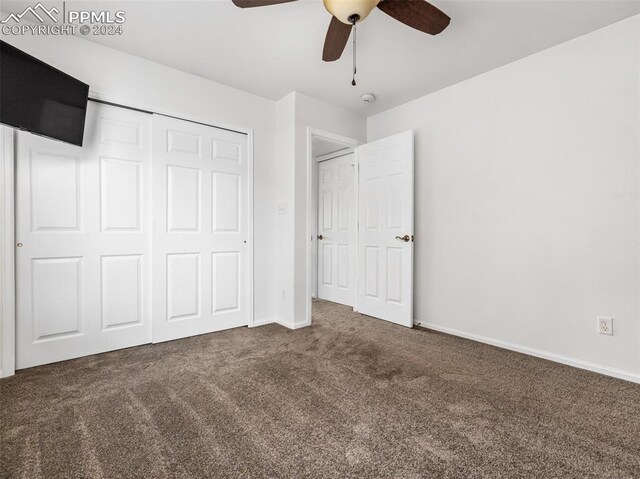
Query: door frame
(8, 315)
(312, 205)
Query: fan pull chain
(355, 28)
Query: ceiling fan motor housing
(350, 11)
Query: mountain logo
(34, 11)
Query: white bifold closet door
(336, 230)
(385, 229)
(201, 229)
(83, 232)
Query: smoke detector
(368, 98)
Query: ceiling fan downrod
(354, 20)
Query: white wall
(133, 80)
(527, 201)
(296, 113)
(286, 127)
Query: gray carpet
(350, 396)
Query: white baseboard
(289, 325)
(263, 322)
(281, 322)
(577, 363)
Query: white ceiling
(271, 51)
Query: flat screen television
(40, 99)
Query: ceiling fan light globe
(343, 10)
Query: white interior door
(83, 235)
(336, 230)
(385, 229)
(201, 267)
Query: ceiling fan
(418, 14)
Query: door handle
(404, 238)
(320, 237)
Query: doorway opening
(360, 225)
(332, 217)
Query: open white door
(385, 229)
(201, 267)
(336, 230)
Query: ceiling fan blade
(418, 14)
(258, 3)
(336, 39)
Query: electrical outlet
(605, 325)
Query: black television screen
(38, 98)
